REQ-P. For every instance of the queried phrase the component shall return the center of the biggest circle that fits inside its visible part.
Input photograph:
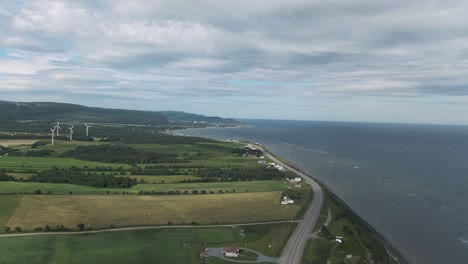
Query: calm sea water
(410, 182)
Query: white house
(232, 252)
(286, 200)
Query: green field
(175, 246)
(45, 163)
(101, 211)
(8, 204)
(162, 178)
(61, 188)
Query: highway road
(292, 252)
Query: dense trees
(5, 177)
(151, 137)
(57, 175)
(238, 174)
(120, 154)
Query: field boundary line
(143, 228)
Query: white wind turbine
(71, 132)
(58, 127)
(53, 134)
(86, 125)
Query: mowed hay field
(8, 204)
(100, 211)
(16, 142)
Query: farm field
(16, 142)
(163, 178)
(45, 163)
(175, 246)
(9, 187)
(101, 211)
(8, 204)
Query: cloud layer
(236, 51)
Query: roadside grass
(259, 238)
(175, 246)
(10, 187)
(353, 233)
(317, 251)
(8, 204)
(101, 211)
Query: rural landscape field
(89, 186)
(196, 192)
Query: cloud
(235, 49)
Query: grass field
(60, 188)
(163, 178)
(8, 204)
(16, 142)
(175, 246)
(329, 251)
(45, 163)
(100, 211)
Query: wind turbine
(71, 132)
(58, 127)
(86, 125)
(53, 134)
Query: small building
(281, 168)
(286, 200)
(232, 252)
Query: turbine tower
(53, 134)
(86, 125)
(58, 127)
(71, 133)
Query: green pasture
(175, 246)
(8, 187)
(8, 204)
(45, 163)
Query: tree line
(117, 153)
(57, 175)
(239, 174)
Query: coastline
(391, 250)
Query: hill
(51, 112)
(182, 117)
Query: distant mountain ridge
(178, 116)
(51, 111)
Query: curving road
(292, 252)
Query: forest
(57, 175)
(118, 153)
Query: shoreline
(391, 250)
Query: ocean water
(410, 182)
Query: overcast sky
(384, 61)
